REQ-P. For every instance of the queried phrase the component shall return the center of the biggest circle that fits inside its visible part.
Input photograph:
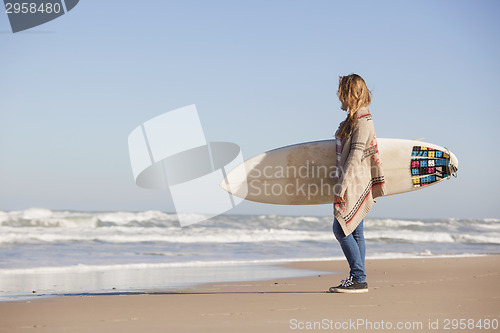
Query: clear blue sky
(263, 74)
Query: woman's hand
(338, 199)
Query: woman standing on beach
(360, 178)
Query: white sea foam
(101, 268)
(45, 226)
(216, 263)
(490, 238)
(409, 236)
(392, 223)
(66, 219)
(216, 235)
(168, 235)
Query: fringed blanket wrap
(360, 174)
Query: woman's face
(342, 101)
(342, 95)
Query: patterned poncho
(360, 173)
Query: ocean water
(54, 252)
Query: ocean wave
(392, 223)
(47, 226)
(11, 235)
(171, 235)
(491, 238)
(37, 217)
(409, 236)
(393, 236)
(45, 218)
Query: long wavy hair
(353, 94)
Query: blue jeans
(354, 249)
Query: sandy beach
(423, 294)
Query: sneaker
(350, 286)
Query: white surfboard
(302, 174)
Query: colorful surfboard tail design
(429, 165)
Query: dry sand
(410, 295)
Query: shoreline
(429, 291)
(212, 272)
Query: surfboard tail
(453, 164)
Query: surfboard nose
(224, 185)
(235, 182)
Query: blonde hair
(353, 94)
